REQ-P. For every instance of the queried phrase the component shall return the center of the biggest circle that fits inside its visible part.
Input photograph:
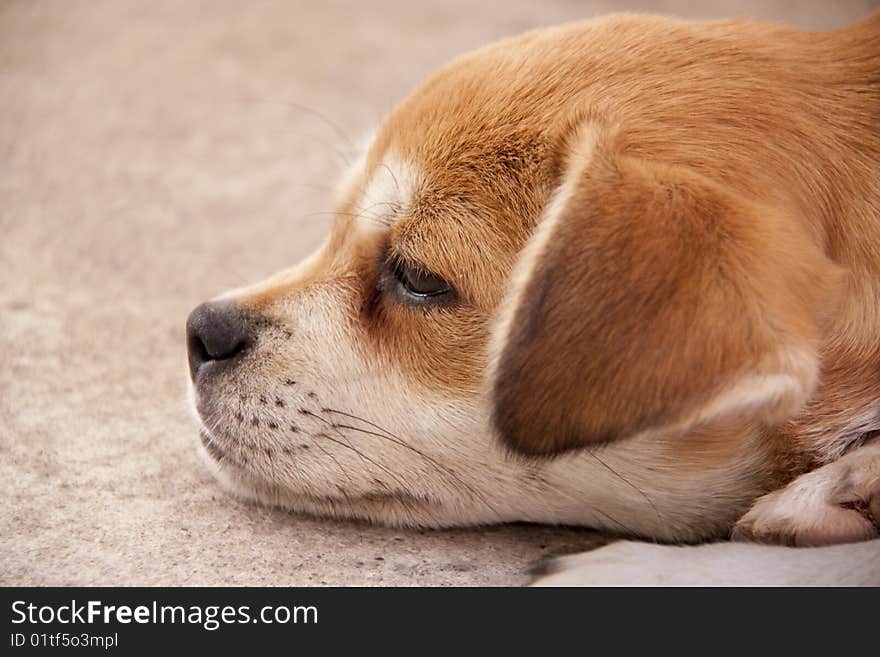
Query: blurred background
(153, 154)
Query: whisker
(387, 435)
(341, 213)
(559, 491)
(391, 437)
(363, 456)
(341, 154)
(628, 483)
(310, 185)
(339, 132)
(404, 485)
(297, 470)
(339, 466)
(211, 424)
(393, 177)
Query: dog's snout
(216, 331)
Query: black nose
(215, 331)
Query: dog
(622, 274)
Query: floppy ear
(650, 298)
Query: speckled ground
(153, 154)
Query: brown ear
(649, 298)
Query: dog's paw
(838, 503)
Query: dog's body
(622, 274)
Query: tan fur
(663, 238)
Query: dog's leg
(628, 563)
(837, 503)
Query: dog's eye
(410, 283)
(420, 282)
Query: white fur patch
(387, 195)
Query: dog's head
(524, 311)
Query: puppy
(623, 274)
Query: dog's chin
(395, 509)
(216, 445)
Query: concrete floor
(153, 154)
